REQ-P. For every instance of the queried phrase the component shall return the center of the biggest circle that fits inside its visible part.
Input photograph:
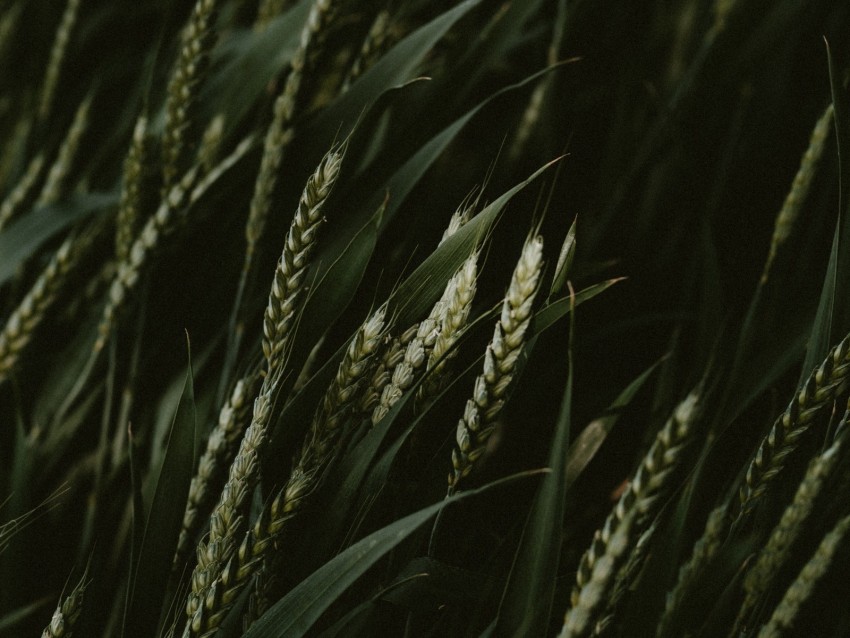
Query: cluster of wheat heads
(377, 425)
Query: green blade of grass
(833, 312)
(298, 611)
(527, 599)
(163, 521)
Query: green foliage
(646, 146)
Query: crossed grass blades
(353, 211)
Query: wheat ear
(479, 417)
(703, 552)
(270, 9)
(57, 58)
(816, 394)
(280, 131)
(22, 323)
(184, 88)
(22, 194)
(221, 446)
(796, 197)
(135, 189)
(643, 498)
(208, 151)
(408, 355)
(54, 185)
(295, 259)
(228, 518)
(377, 41)
(580, 620)
(774, 555)
(66, 614)
(458, 303)
(785, 614)
(318, 450)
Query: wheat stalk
(221, 445)
(491, 386)
(295, 259)
(816, 394)
(796, 197)
(21, 195)
(643, 498)
(54, 185)
(184, 87)
(66, 614)
(785, 615)
(57, 58)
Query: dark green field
(424, 319)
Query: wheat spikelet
(227, 519)
(377, 41)
(479, 418)
(295, 259)
(134, 189)
(211, 140)
(462, 289)
(279, 133)
(21, 195)
(57, 57)
(319, 446)
(646, 492)
(784, 616)
(796, 197)
(54, 185)
(704, 550)
(816, 394)
(221, 444)
(66, 614)
(22, 323)
(581, 618)
(160, 224)
(392, 355)
(184, 88)
(775, 553)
